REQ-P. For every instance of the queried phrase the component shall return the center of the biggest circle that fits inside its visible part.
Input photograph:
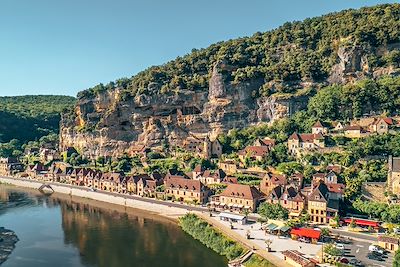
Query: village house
(239, 197)
(208, 177)
(321, 206)
(254, 153)
(393, 180)
(186, 190)
(269, 142)
(110, 180)
(299, 142)
(36, 171)
(337, 126)
(147, 184)
(289, 198)
(270, 181)
(203, 147)
(297, 259)
(319, 128)
(354, 131)
(389, 243)
(228, 166)
(10, 166)
(48, 154)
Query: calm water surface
(57, 231)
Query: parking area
(359, 250)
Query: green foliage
(379, 210)
(206, 234)
(330, 249)
(353, 100)
(293, 52)
(290, 168)
(396, 260)
(28, 118)
(257, 261)
(273, 211)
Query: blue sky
(65, 46)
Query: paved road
(355, 235)
(359, 250)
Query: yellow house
(228, 166)
(389, 243)
(320, 206)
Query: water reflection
(62, 232)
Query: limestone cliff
(107, 125)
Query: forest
(296, 51)
(29, 118)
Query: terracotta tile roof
(388, 120)
(241, 191)
(306, 138)
(336, 188)
(198, 168)
(277, 179)
(186, 184)
(230, 180)
(320, 193)
(335, 168)
(388, 239)
(318, 124)
(297, 257)
(353, 128)
(256, 151)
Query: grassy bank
(212, 238)
(206, 234)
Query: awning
(361, 222)
(240, 206)
(284, 228)
(235, 205)
(216, 203)
(231, 216)
(230, 204)
(247, 207)
(272, 226)
(306, 232)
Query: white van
(375, 248)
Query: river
(60, 231)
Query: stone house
(188, 190)
(299, 142)
(228, 166)
(254, 152)
(389, 243)
(354, 131)
(210, 177)
(289, 198)
(321, 206)
(319, 128)
(393, 180)
(270, 181)
(10, 166)
(239, 197)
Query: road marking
(358, 250)
(360, 246)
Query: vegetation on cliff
(294, 52)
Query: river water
(59, 231)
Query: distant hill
(28, 118)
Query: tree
(268, 243)
(273, 211)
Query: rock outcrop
(110, 125)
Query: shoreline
(138, 205)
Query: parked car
(396, 231)
(340, 246)
(303, 239)
(375, 248)
(344, 260)
(355, 262)
(374, 256)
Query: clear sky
(65, 46)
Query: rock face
(8, 239)
(110, 125)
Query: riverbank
(168, 210)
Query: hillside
(237, 83)
(27, 118)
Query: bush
(206, 234)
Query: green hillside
(294, 52)
(28, 118)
